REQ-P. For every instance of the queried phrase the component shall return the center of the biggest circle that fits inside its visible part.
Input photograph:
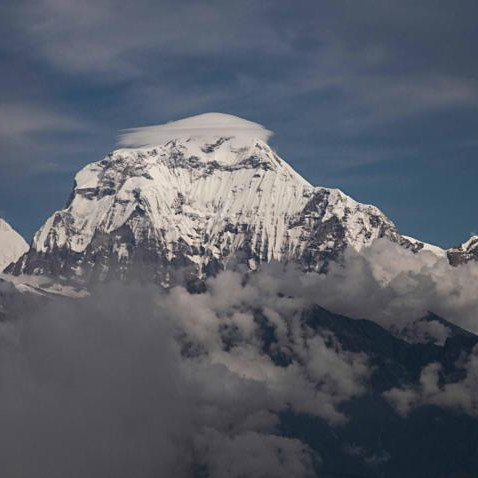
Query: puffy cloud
(432, 390)
(317, 375)
(91, 389)
(135, 381)
(399, 286)
(161, 377)
(385, 283)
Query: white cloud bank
(388, 284)
(207, 125)
(161, 377)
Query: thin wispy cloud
(18, 120)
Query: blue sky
(378, 98)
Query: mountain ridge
(463, 253)
(196, 202)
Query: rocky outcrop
(466, 252)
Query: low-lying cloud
(459, 394)
(387, 284)
(135, 381)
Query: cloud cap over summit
(205, 125)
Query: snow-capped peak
(12, 245)
(471, 243)
(198, 194)
(465, 252)
(210, 126)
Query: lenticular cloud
(207, 125)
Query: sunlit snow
(12, 245)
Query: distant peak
(206, 125)
(471, 242)
(4, 226)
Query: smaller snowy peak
(207, 126)
(12, 245)
(470, 244)
(423, 246)
(463, 253)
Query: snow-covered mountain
(12, 245)
(194, 195)
(466, 252)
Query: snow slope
(423, 246)
(210, 191)
(12, 245)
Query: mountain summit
(196, 194)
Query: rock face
(200, 199)
(466, 252)
(12, 245)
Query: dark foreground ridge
(377, 442)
